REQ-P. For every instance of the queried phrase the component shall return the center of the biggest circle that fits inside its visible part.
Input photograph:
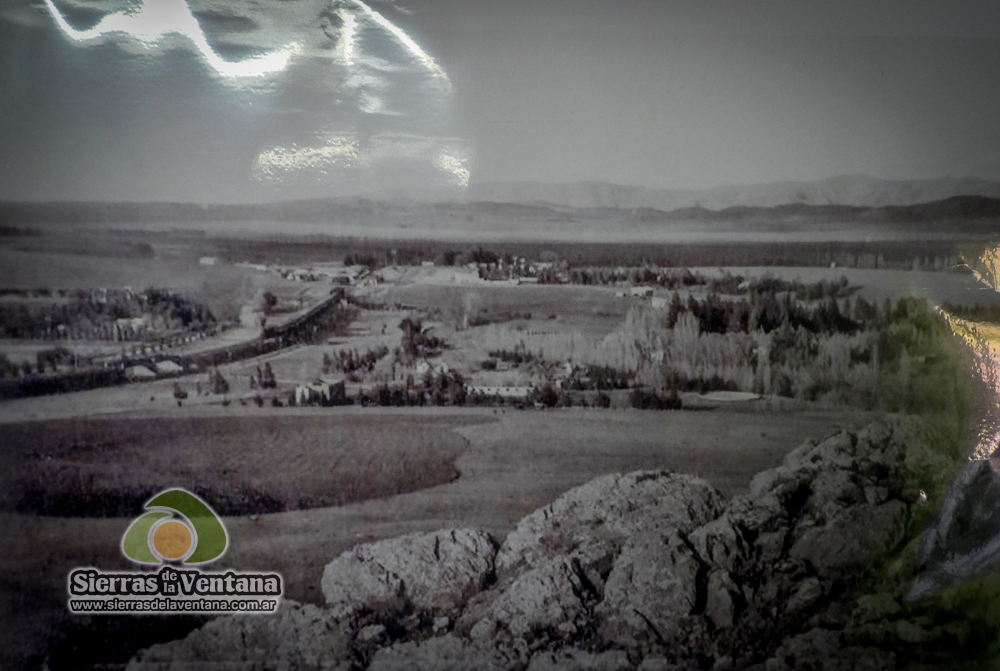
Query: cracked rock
(589, 523)
(436, 572)
(299, 636)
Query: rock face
(299, 636)
(648, 570)
(443, 653)
(434, 572)
(654, 583)
(823, 650)
(591, 522)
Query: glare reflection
(456, 166)
(983, 340)
(404, 39)
(345, 45)
(339, 151)
(151, 21)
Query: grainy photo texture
(517, 336)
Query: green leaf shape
(135, 544)
(212, 538)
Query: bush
(649, 400)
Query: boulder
(823, 650)
(655, 581)
(436, 572)
(849, 541)
(591, 522)
(551, 601)
(574, 659)
(442, 653)
(298, 636)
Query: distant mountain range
(847, 190)
(567, 210)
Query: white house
(503, 392)
(424, 366)
(168, 367)
(139, 373)
(319, 391)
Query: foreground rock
(591, 523)
(553, 567)
(299, 636)
(647, 570)
(435, 572)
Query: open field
(239, 465)
(592, 310)
(223, 288)
(515, 462)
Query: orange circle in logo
(172, 540)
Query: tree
(270, 302)
(267, 380)
(219, 384)
(547, 396)
(411, 330)
(676, 307)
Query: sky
(242, 100)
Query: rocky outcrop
(648, 570)
(825, 650)
(574, 659)
(591, 522)
(435, 572)
(298, 636)
(655, 584)
(552, 568)
(443, 653)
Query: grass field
(595, 311)
(239, 465)
(224, 289)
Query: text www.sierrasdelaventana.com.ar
(167, 605)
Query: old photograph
(650, 335)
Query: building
(436, 367)
(320, 392)
(136, 373)
(168, 368)
(502, 392)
